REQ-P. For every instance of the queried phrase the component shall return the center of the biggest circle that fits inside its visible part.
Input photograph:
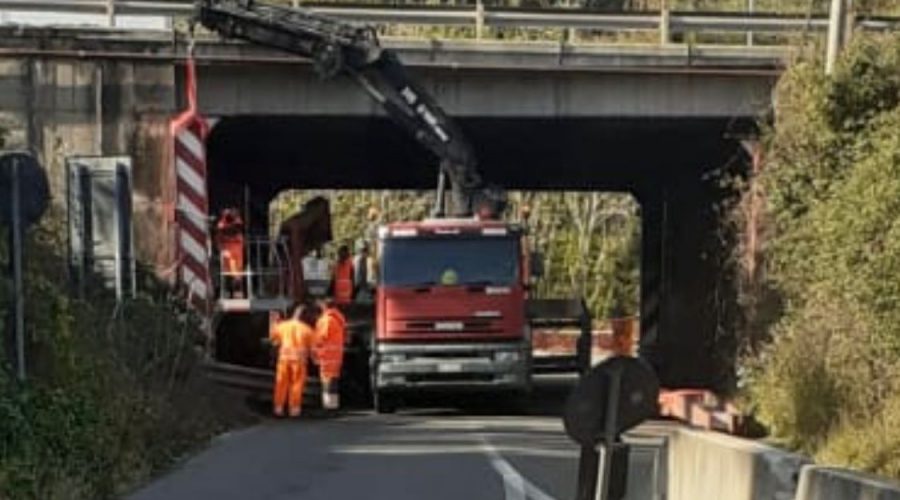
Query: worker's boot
(330, 401)
(330, 396)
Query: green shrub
(871, 443)
(832, 255)
(114, 393)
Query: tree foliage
(831, 184)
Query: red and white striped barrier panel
(192, 209)
(188, 132)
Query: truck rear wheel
(519, 402)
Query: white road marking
(517, 487)
(513, 483)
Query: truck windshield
(444, 261)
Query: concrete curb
(829, 483)
(706, 465)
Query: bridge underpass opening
(589, 243)
(673, 168)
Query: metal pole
(439, 199)
(117, 218)
(247, 272)
(665, 32)
(751, 7)
(479, 19)
(588, 465)
(849, 21)
(836, 24)
(98, 108)
(18, 286)
(612, 411)
(111, 13)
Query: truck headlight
(506, 356)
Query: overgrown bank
(822, 302)
(113, 395)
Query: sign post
(611, 398)
(24, 183)
(15, 250)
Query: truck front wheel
(384, 403)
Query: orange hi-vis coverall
(330, 333)
(343, 281)
(295, 341)
(231, 245)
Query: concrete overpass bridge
(658, 121)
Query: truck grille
(451, 377)
(451, 326)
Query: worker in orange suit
(343, 277)
(331, 330)
(294, 339)
(230, 240)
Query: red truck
(450, 309)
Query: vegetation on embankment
(822, 322)
(113, 394)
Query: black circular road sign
(34, 191)
(586, 409)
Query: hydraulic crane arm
(337, 47)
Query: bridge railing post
(479, 19)
(111, 13)
(665, 25)
(837, 26)
(751, 8)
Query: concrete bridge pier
(687, 294)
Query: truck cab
(450, 309)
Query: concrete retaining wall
(57, 107)
(826, 483)
(706, 465)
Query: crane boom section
(337, 47)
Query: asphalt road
(416, 454)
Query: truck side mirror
(536, 264)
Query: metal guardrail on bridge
(479, 16)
